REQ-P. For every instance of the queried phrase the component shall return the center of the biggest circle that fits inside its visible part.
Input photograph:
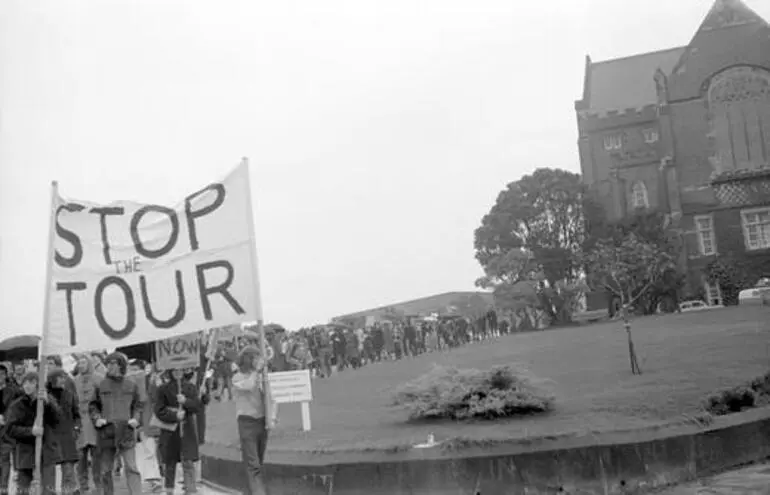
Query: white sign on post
(125, 273)
(288, 387)
(178, 352)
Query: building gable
(731, 34)
(626, 83)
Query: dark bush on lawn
(755, 393)
(451, 393)
(761, 385)
(730, 401)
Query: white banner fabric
(126, 273)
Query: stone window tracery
(739, 113)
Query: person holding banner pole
(257, 290)
(41, 377)
(178, 404)
(252, 403)
(36, 447)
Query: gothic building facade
(686, 132)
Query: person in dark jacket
(178, 403)
(9, 391)
(117, 413)
(54, 363)
(67, 430)
(21, 428)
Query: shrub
(731, 401)
(761, 385)
(756, 393)
(451, 393)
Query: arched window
(739, 113)
(639, 195)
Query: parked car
(696, 305)
(756, 294)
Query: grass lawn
(683, 358)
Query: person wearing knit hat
(116, 412)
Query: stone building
(686, 131)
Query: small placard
(289, 387)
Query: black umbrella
(144, 351)
(19, 347)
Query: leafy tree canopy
(652, 228)
(628, 269)
(533, 235)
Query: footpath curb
(602, 464)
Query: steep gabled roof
(727, 13)
(628, 82)
(730, 34)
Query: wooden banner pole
(258, 294)
(42, 363)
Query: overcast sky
(379, 131)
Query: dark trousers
(5, 466)
(188, 476)
(48, 475)
(325, 361)
(107, 458)
(89, 458)
(253, 434)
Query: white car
(696, 305)
(756, 294)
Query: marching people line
(111, 418)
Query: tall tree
(629, 270)
(651, 228)
(534, 233)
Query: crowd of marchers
(107, 418)
(325, 348)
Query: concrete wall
(627, 467)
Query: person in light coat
(86, 380)
(251, 399)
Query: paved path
(753, 480)
(121, 489)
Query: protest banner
(125, 273)
(178, 353)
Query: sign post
(269, 413)
(42, 363)
(290, 387)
